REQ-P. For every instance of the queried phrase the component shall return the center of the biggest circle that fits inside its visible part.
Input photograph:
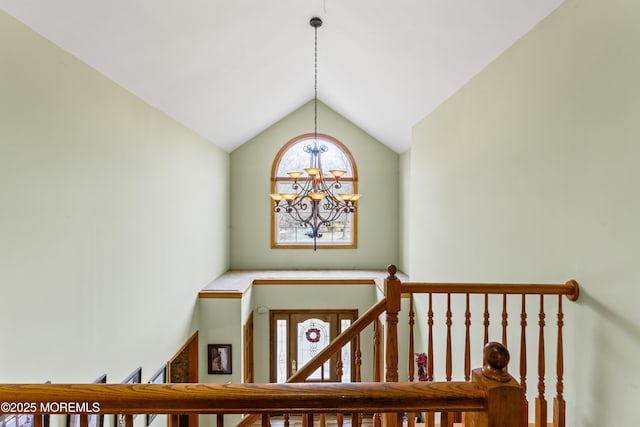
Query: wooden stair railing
(394, 287)
(492, 398)
(348, 335)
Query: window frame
(275, 179)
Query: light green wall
(404, 216)
(250, 205)
(529, 173)
(111, 220)
(221, 323)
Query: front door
(298, 336)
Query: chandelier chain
(315, 86)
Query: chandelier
(314, 201)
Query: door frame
(275, 315)
(248, 374)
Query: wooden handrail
(570, 288)
(491, 399)
(245, 398)
(340, 341)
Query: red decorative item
(313, 335)
(421, 361)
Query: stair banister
(393, 295)
(338, 342)
(491, 399)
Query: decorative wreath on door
(313, 335)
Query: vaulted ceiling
(229, 69)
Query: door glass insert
(313, 336)
(281, 350)
(346, 353)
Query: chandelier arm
(297, 210)
(332, 203)
(333, 212)
(331, 186)
(332, 216)
(306, 187)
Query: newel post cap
(496, 358)
(392, 270)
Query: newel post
(393, 294)
(504, 393)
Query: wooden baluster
(339, 367)
(219, 420)
(411, 416)
(340, 419)
(457, 416)
(559, 406)
(266, 420)
(445, 419)
(467, 342)
(486, 319)
(505, 322)
(412, 350)
(430, 340)
(128, 420)
(449, 368)
(38, 421)
(356, 419)
(523, 362)
(377, 365)
(358, 361)
(377, 420)
(84, 420)
(309, 419)
(430, 416)
(286, 420)
(377, 351)
(541, 403)
(449, 418)
(323, 420)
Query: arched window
(338, 228)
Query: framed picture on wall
(93, 420)
(97, 420)
(160, 377)
(219, 358)
(17, 420)
(133, 378)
